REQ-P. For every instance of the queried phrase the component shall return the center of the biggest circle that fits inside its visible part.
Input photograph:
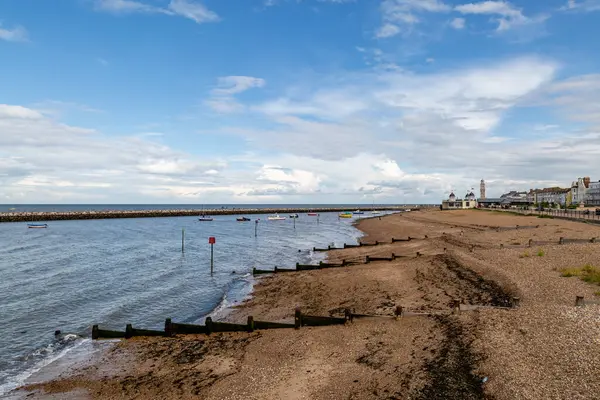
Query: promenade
(109, 214)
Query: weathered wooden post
(211, 241)
(530, 242)
(128, 331)
(561, 240)
(516, 302)
(297, 318)
(367, 259)
(168, 327)
(209, 325)
(398, 311)
(418, 254)
(182, 240)
(593, 240)
(95, 333)
(393, 256)
(348, 315)
(455, 306)
(579, 302)
(250, 323)
(256, 227)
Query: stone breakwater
(108, 214)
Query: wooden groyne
(110, 214)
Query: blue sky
(293, 101)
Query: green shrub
(540, 253)
(588, 273)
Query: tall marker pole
(255, 227)
(211, 241)
(182, 240)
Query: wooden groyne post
(182, 240)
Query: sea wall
(108, 214)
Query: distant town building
(592, 196)
(552, 196)
(454, 203)
(482, 190)
(579, 189)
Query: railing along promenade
(32, 216)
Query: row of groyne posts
(345, 262)
(300, 319)
(29, 216)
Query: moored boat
(37, 226)
(358, 212)
(312, 214)
(205, 218)
(375, 212)
(293, 215)
(275, 217)
(345, 215)
(243, 219)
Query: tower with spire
(482, 190)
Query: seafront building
(455, 203)
(582, 192)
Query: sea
(75, 274)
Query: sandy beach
(547, 348)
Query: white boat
(375, 212)
(37, 226)
(275, 217)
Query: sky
(294, 101)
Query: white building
(454, 203)
(592, 196)
(579, 189)
(552, 196)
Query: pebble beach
(546, 348)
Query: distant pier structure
(482, 190)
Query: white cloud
(458, 23)
(585, 5)
(183, 8)
(510, 16)
(194, 11)
(398, 14)
(222, 98)
(387, 30)
(126, 6)
(18, 112)
(18, 34)
(237, 84)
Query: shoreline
(543, 349)
(117, 214)
(60, 366)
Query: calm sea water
(112, 272)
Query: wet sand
(545, 349)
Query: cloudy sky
(294, 101)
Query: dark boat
(293, 215)
(205, 218)
(243, 219)
(37, 225)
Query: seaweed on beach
(451, 371)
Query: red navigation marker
(211, 240)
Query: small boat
(205, 218)
(293, 215)
(375, 212)
(312, 214)
(275, 217)
(358, 212)
(37, 226)
(345, 215)
(243, 219)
